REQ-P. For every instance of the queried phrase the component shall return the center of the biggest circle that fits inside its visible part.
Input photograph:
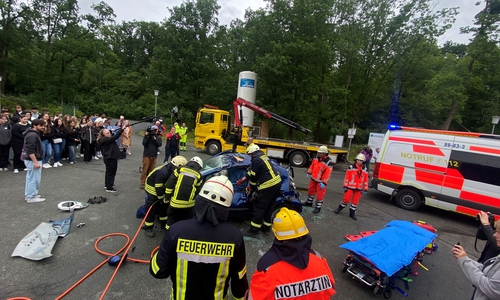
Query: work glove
(365, 192)
(345, 190)
(239, 182)
(249, 189)
(308, 175)
(322, 185)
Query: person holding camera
(151, 142)
(486, 232)
(485, 277)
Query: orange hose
(125, 247)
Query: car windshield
(214, 163)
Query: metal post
(494, 121)
(156, 100)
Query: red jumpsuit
(355, 181)
(320, 171)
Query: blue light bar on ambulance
(394, 127)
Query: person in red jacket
(355, 182)
(319, 172)
(291, 269)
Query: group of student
(62, 136)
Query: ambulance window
(224, 118)
(492, 172)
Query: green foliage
(324, 64)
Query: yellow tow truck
(213, 133)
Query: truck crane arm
(266, 113)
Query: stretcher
(382, 259)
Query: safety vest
(320, 170)
(356, 178)
(285, 281)
(183, 133)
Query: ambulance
(455, 171)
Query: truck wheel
(298, 159)
(408, 199)
(213, 147)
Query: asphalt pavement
(74, 255)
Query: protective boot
(252, 231)
(265, 229)
(352, 214)
(309, 201)
(316, 210)
(148, 230)
(339, 209)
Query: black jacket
(151, 145)
(157, 179)
(33, 144)
(17, 134)
(490, 249)
(212, 260)
(73, 136)
(262, 173)
(183, 185)
(109, 148)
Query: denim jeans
(72, 153)
(58, 148)
(33, 178)
(47, 150)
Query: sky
(156, 11)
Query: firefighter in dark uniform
(204, 256)
(155, 193)
(291, 269)
(181, 189)
(267, 181)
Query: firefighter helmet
(289, 224)
(218, 189)
(360, 156)
(322, 149)
(252, 148)
(179, 161)
(197, 160)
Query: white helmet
(252, 148)
(218, 189)
(198, 160)
(322, 149)
(179, 161)
(360, 156)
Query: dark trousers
(111, 167)
(175, 215)
(4, 155)
(159, 208)
(264, 206)
(88, 150)
(170, 152)
(18, 162)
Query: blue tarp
(393, 247)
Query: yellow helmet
(360, 156)
(289, 224)
(179, 161)
(322, 149)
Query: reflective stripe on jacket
(203, 261)
(285, 281)
(356, 178)
(262, 173)
(182, 186)
(320, 170)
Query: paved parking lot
(74, 256)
